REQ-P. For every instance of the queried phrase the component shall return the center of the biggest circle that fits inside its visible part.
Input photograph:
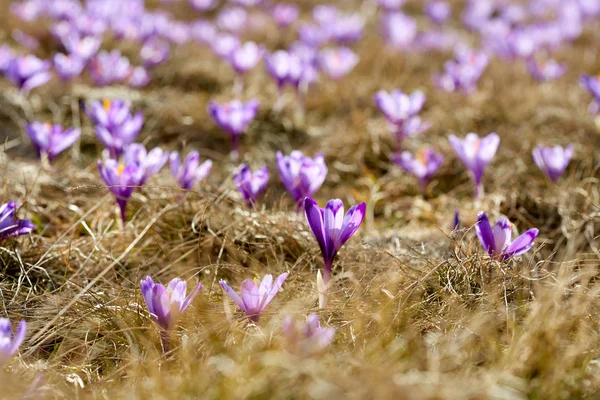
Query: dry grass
(420, 313)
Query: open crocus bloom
(553, 161)
(336, 63)
(255, 295)
(302, 176)
(9, 225)
(50, 139)
(233, 117)
(497, 241)
(306, 337)
(150, 161)
(476, 153)
(423, 166)
(10, 344)
(251, 184)
(331, 227)
(121, 179)
(166, 304)
(191, 172)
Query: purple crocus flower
(390, 5)
(245, 57)
(284, 14)
(203, 31)
(203, 5)
(6, 55)
(476, 153)
(154, 52)
(438, 11)
(68, 67)
(336, 63)
(325, 14)
(138, 77)
(255, 295)
(232, 19)
(107, 68)
(223, 45)
(233, 117)
(165, 304)
(150, 161)
(115, 126)
(545, 71)
(553, 161)
(25, 40)
(331, 228)
(191, 172)
(9, 225)
(83, 47)
(399, 30)
(401, 112)
(28, 72)
(9, 344)
(312, 35)
(423, 166)
(463, 73)
(346, 30)
(302, 176)
(121, 179)
(497, 241)
(285, 67)
(251, 184)
(49, 139)
(306, 337)
(592, 84)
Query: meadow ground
(420, 312)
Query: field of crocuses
(255, 199)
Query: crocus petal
(188, 300)
(274, 289)
(234, 296)
(522, 244)
(315, 221)
(352, 221)
(19, 337)
(484, 232)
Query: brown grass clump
(420, 311)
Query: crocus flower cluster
(255, 295)
(423, 166)
(50, 140)
(497, 242)
(552, 161)
(233, 117)
(9, 344)
(306, 337)
(401, 111)
(301, 175)
(11, 226)
(251, 184)
(476, 153)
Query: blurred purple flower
(423, 166)
(9, 344)
(438, 11)
(29, 10)
(325, 14)
(336, 63)
(151, 162)
(251, 184)
(191, 172)
(255, 295)
(553, 161)
(11, 226)
(115, 126)
(306, 337)
(391, 5)
(177, 32)
(83, 47)
(245, 57)
(285, 67)
(284, 14)
(497, 241)
(51, 140)
(68, 67)
(398, 30)
(6, 55)
(232, 19)
(107, 68)
(545, 70)
(401, 111)
(233, 117)
(25, 40)
(138, 77)
(122, 180)
(224, 44)
(592, 85)
(331, 228)
(166, 304)
(476, 153)
(28, 72)
(312, 35)
(154, 52)
(204, 5)
(247, 3)
(302, 176)
(203, 31)
(346, 30)
(456, 221)
(437, 40)
(463, 73)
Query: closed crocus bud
(9, 344)
(332, 228)
(189, 173)
(301, 175)
(10, 225)
(476, 153)
(251, 184)
(553, 161)
(497, 242)
(423, 166)
(336, 63)
(50, 140)
(255, 295)
(28, 72)
(306, 337)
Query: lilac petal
(523, 243)
(315, 222)
(502, 232)
(188, 300)
(484, 232)
(274, 289)
(352, 221)
(19, 337)
(147, 285)
(234, 296)
(36, 80)
(250, 297)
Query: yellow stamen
(47, 124)
(106, 104)
(255, 281)
(120, 170)
(477, 145)
(422, 156)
